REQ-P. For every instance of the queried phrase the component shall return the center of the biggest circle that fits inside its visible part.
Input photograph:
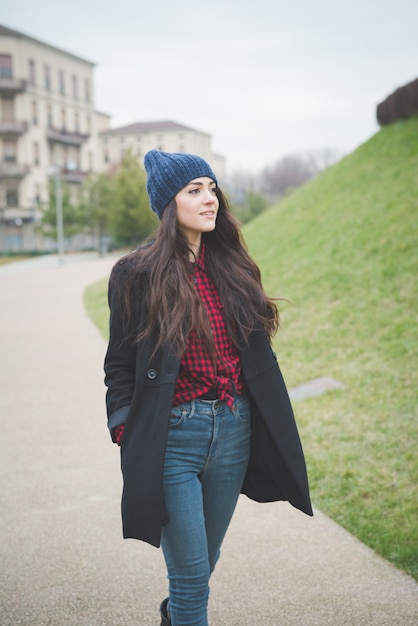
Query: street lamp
(55, 171)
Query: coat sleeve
(120, 357)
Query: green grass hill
(343, 253)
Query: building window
(106, 157)
(88, 124)
(37, 197)
(36, 160)
(87, 90)
(32, 72)
(76, 123)
(61, 82)
(12, 198)
(47, 77)
(5, 66)
(8, 109)
(75, 87)
(63, 120)
(49, 116)
(34, 108)
(90, 161)
(9, 150)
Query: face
(197, 208)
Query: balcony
(13, 128)
(66, 137)
(10, 86)
(71, 175)
(16, 216)
(9, 169)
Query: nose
(209, 197)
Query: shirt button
(152, 374)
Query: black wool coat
(139, 395)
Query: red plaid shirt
(199, 373)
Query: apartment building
(161, 135)
(47, 121)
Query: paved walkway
(63, 561)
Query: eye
(194, 191)
(213, 190)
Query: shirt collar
(201, 260)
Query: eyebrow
(212, 182)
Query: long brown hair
(171, 301)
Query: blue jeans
(206, 460)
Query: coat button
(152, 374)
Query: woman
(195, 396)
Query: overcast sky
(265, 78)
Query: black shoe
(165, 618)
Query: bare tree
(247, 190)
(320, 160)
(294, 170)
(287, 173)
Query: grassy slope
(11, 259)
(95, 301)
(343, 250)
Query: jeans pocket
(177, 416)
(242, 409)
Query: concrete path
(63, 561)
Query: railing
(13, 127)
(12, 85)
(13, 170)
(19, 215)
(73, 176)
(65, 136)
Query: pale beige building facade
(47, 120)
(161, 135)
(48, 123)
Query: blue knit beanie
(168, 172)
